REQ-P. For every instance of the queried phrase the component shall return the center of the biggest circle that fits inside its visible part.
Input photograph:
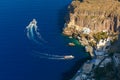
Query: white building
(86, 30)
(103, 44)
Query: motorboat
(33, 23)
(71, 44)
(69, 57)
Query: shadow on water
(62, 16)
(70, 73)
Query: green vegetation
(92, 43)
(100, 35)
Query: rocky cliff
(95, 15)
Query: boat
(69, 57)
(33, 23)
(71, 44)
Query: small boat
(69, 57)
(71, 44)
(33, 23)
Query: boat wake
(52, 56)
(33, 34)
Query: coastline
(99, 58)
(67, 75)
(97, 44)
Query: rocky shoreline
(95, 24)
(80, 24)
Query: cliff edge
(91, 21)
(95, 15)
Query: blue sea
(18, 57)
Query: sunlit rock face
(97, 15)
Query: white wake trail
(53, 57)
(33, 34)
(30, 34)
(57, 58)
(49, 55)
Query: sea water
(20, 57)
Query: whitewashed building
(103, 44)
(86, 30)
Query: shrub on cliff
(100, 35)
(92, 43)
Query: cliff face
(97, 15)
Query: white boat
(33, 23)
(71, 44)
(69, 57)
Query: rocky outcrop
(92, 20)
(97, 15)
(90, 50)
